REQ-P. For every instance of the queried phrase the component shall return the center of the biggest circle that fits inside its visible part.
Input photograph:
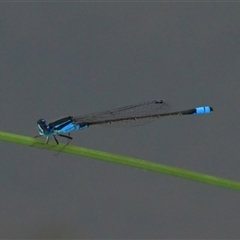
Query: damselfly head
(43, 128)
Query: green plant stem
(117, 159)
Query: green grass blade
(117, 159)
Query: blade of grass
(117, 159)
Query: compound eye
(41, 121)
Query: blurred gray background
(60, 59)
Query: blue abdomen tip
(203, 110)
